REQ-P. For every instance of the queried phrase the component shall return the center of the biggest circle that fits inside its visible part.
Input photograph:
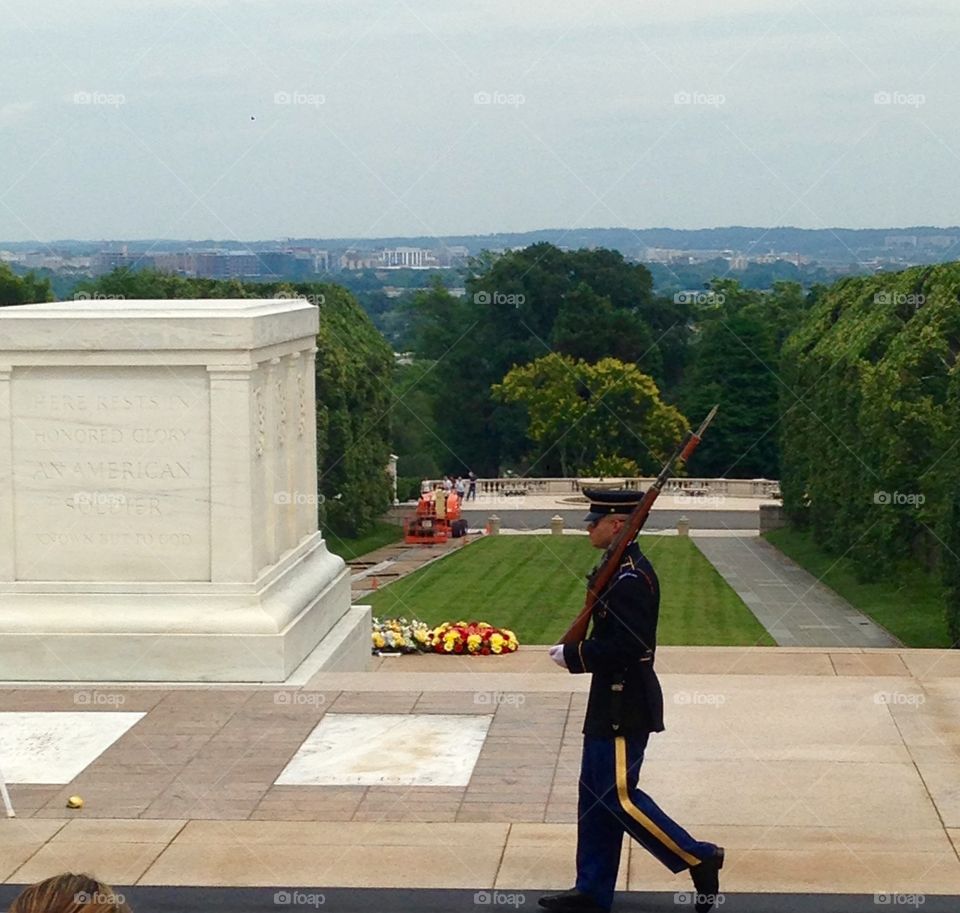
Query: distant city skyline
(240, 120)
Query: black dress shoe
(706, 882)
(572, 901)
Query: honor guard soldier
(625, 705)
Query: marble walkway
(793, 605)
(820, 770)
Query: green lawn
(911, 608)
(348, 549)
(535, 586)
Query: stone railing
(729, 488)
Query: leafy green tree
(27, 289)
(871, 416)
(734, 361)
(420, 450)
(519, 307)
(605, 415)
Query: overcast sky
(252, 119)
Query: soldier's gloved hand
(556, 654)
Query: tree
(519, 307)
(28, 289)
(871, 407)
(735, 362)
(595, 415)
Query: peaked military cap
(610, 501)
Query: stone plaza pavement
(819, 770)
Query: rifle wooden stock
(601, 574)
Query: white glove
(556, 654)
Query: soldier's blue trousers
(610, 805)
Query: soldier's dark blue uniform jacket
(620, 649)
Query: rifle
(601, 574)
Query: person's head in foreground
(69, 893)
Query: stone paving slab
(819, 770)
(792, 604)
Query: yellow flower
(473, 642)
(448, 646)
(378, 640)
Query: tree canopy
(871, 417)
(603, 418)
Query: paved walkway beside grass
(794, 607)
(821, 771)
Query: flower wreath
(474, 637)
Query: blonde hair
(69, 893)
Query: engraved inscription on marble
(111, 473)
